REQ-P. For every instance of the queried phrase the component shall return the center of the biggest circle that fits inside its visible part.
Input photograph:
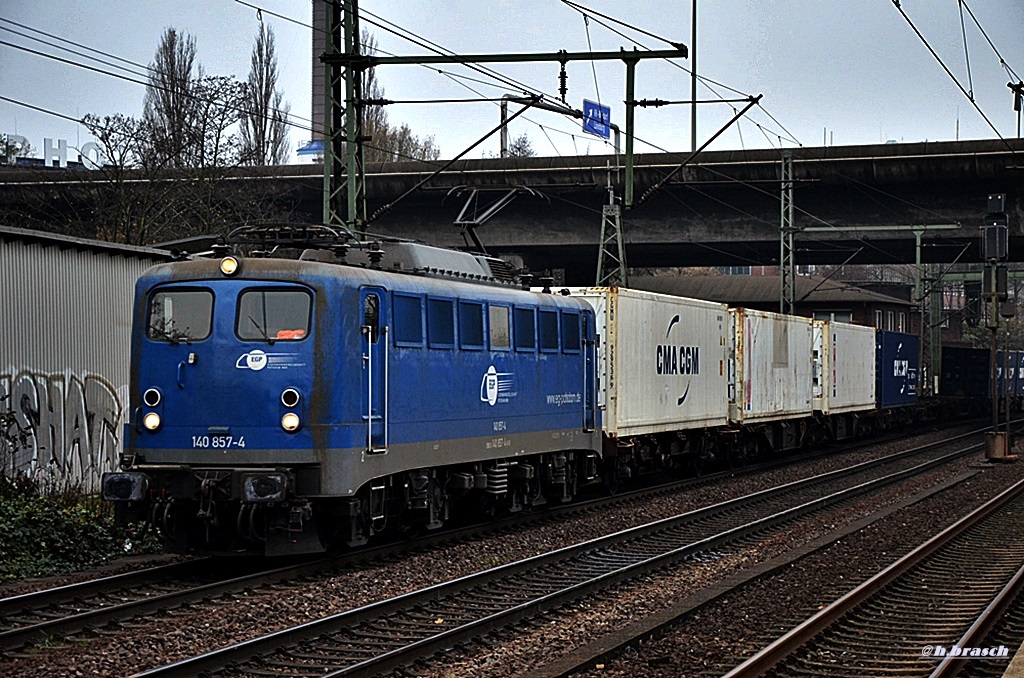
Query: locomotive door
(590, 374)
(374, 342)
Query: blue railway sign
(597, 118)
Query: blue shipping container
(896, 369)
(965, 372)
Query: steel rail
(975, 636)
(599, 560)
(47, 603)
(786, 645)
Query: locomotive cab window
(371, 317)
(501, 339)
(180, 315)
(273, 315)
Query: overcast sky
(834, 71)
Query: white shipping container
(772, 364)
(661, 361)
(844, 367)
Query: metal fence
(65, 320)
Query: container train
(282, 406)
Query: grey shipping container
(844, 367)
(661, 361)
(772, 366)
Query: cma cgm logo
(497, 387)
(677, 359)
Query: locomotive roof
(318, 274)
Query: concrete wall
(65, 321)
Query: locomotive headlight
(151, 421)
(290, 422)
(228, 265)
(290, 397)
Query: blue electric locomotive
(279, 406)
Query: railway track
(388, 634)
(906, 620)
(67, 611)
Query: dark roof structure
(744, 289)
(25, 235)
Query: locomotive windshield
(180, 315)
(273, 315)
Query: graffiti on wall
(70, 424)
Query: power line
(941, 63)
(1002, 61)
(137, 81)
(148, 70)
(394, 29)
(587, 10)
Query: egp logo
(253, 360)
(496, 386)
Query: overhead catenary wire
(970, 97)
(585, 10)
(555, 130)
(1002, 61)
(593, 66)
(967, 52)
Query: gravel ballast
(177, 634)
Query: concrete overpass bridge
(722, 209)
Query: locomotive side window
(440, 323)
(548, 330)
(571, 332)
(408, 310)
(273, 315)
(500, 337)
(471, 325)
(180, 315)
(526, 331)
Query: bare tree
(12, 148)
(521, 147)
(264, 132)
(169, 106)
(219, 101)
